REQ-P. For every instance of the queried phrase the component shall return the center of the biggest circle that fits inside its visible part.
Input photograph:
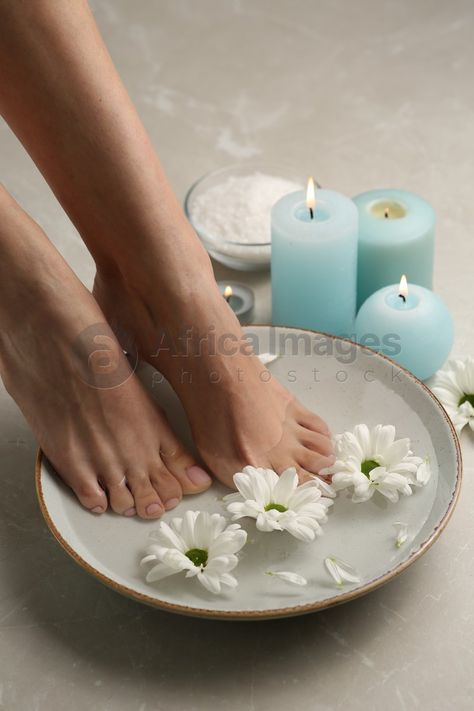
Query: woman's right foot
(63, 366)
(238, 413)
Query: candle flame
(403, 289)
(310, 195)
(228, 292)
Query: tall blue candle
(396, 236)
(314, 261)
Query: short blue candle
(314, 262)
(396, 236)
(417, 332)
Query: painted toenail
(130, 512)
(171, 504)
(198, 476)
(98, 509)
(153, 509)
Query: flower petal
(401, 533)
(243, 482)
(396, 452)
(288, 576)
(326, 488)
(210, 582)
(333, 570)
(423, 474)
(221, 564)
(341, 571)
(267, 358)
(229, 580)
(159, 572)
(285, 486)
(228, 543)
(187, 528)
(304, 494)
(364, 438)
(166, 536)
(348, 445)
(383, 438)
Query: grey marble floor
(362, 94)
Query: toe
(147, 502)
(313, 422)
(88, 490)
(317, 442)
(304, 476)
(166, 485)
(313, 461)
(192, 478)
(121, 500)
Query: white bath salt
(238, 209)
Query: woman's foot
(63, 366)
(238, 413)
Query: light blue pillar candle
(314, 262)
(396, 236)
(416, 332)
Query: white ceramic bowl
(370, 389)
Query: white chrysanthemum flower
(288, 576)
(455, 388)
(340, 571)
(371, 460)
(401, 533)
(201, 544)
(278, 503)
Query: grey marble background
(363, 94)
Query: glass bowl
(245, 255)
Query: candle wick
(386, 212)
(311, 213)
(402, 296)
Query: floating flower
(372, 460)
(401, 533)
(200, 544)
(340, 571)
(278, 503)
(455, 388)
(288, 576)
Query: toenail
(98, 509)
(153, 508)
(130, 512)
(171, 504)
(198, 476)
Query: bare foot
(239, 415)
(63, 366)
